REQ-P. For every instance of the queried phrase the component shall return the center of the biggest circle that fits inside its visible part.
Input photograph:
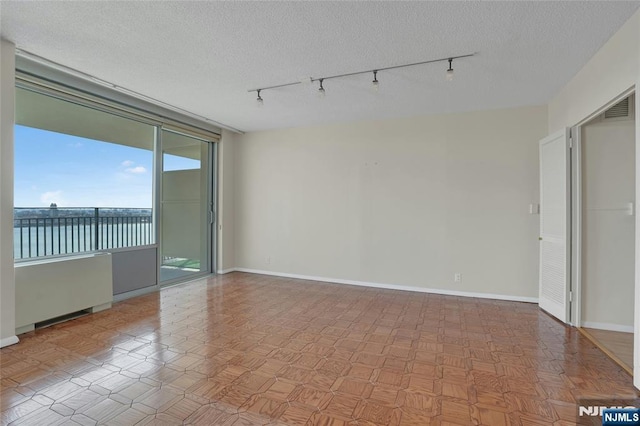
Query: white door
(555, 227)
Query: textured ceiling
(203, 56)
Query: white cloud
(127, 163)
(136, 170)
(52, 197)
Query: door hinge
(570, 138)
(570, 296)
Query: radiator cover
(50, 288)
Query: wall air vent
(619, 110)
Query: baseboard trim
(393, 286)
(7, 341)
(225, 271)
(608, 326)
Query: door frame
(213, 207)
(575, 284)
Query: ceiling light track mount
(449, 74)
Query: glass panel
(83, 179)
(185, 228)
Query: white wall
(636, 321)
(636, 328)
(226, 201)
(405, 202)
(7, 118)
(612, 70)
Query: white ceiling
(204, 56)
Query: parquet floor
(619, 344)
(247, 349)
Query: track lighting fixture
(375, 83)
(259, 98)
(321, 91)
(450, 71)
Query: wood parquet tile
(244, 349)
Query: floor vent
(62, 318)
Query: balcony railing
(55, 231)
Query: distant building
(53, 210)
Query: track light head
(449, 75)
(375, 84)
(259, 99)
(321, 91)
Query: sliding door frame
(577, 202)
(53, 80)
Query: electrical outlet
(268, 260)
(457, 277)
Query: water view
(39, 232)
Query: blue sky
(76, 172)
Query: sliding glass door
(186, 200)
(92, 175)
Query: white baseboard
(393, 286)
(225, 271)
(9, 341)
(607, 326)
